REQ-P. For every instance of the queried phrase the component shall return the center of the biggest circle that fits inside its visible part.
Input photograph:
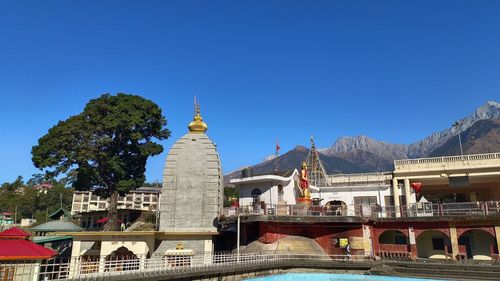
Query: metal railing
(447, 159)
(78, 267)
(424, 209)
(378, 178)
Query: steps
(447, 271)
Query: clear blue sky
(393, 70)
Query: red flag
(277, 147)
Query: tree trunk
(112, 223)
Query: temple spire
(197, 126)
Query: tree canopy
(30, 202)
(105, 147)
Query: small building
(277, 194)
(6, 220)
(60, 221)
(19, 256)
(143, 198)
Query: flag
(277, 146)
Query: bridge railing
(77, 268)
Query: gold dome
(197, 126)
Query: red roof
(14, 233)
(16, 249)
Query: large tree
(106, 146)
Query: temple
(192, 193)
(438, 208)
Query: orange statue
(304, 182)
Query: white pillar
(408, 196)
(102, 263)
(395, 194)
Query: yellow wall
(424, 245)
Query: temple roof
(13, 249)
(62, 225)
(59, 213)
(197, 126)
(14, 233)
(15, 246)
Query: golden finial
(197, 126)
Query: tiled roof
(58, 225)
(19, 249)
(14, 233)
(59, 213)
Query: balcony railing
(447, 159)
(383, 178)
(427, 209)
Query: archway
(477, 244)
(433, 244)
(336, 207)
(393, 244)
(393, 237)
(121, 259)
(256, 200)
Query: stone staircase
(439, 270)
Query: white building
(344, 191)
(142, 198)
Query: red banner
(417, 186)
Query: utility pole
(276, 158)
(238, 239)
(458, 125)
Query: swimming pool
(332, 277)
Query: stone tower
(192, 192)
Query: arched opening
(393, 237)
(256, 194)
(393, 244)
(433, 244)
(256, 200)
(121, 259)
(477, 244)
(89, 261)
(336, 207)
(280, 192)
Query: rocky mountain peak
(364, 143)
(489, 110)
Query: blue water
(332, 277)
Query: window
(389, 200)
(7, 273)
(280, 192)
(365, 200)
(438, 243)
(256, 193)
(78, 197)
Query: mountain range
(479, 132)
